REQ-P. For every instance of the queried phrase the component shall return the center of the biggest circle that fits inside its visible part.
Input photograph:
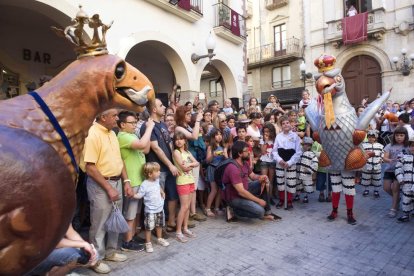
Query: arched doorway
(162, 66)
(362, 76)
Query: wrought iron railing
(290, 46)
(194, 5)
(230, 19)
(280, 84)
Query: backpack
(219, 172)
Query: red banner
(355, 28)
(235, 25)
(185, 4)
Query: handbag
(116, 222)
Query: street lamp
(404, 65)
(210, 45)
(303, 74)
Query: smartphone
(202, 96)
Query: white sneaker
(163, 242)
(101, 268)
(116, 257)
(148, 247)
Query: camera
(84, 256)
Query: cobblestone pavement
(303, 243)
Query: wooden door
(362, 76)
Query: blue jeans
(321, 182)
(247, 208)
(59, 257)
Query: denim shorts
(267, 165)
(168, 183)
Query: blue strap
(56, 125)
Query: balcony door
(360, 5)
(280, 40)
(362, 76)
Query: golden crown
(325, 62)
(74, 33)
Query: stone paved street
(303, 243)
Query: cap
(307, 140)
(268, 99)
(372, 132)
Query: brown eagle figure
(37, 186)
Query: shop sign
(36, 56)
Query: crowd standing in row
(235, 164)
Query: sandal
(188, 233)
(392, 213)
(171, 228)
(180, 237)
(209, 213)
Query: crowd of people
(165, 162)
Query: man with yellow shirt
(105, 168)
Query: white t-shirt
(256, 135)
(352, 11)
(151, 192)
(267, 157)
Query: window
(215, 89)
(280, 39)
(360, 5)
(281, 77)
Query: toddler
(371, 173)
(307, 166)
(153, 196)
(301, 120)
(227, 107)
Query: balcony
(190, 10)
(267, 54)
(229, 24)
(376, 27)
(275, 4)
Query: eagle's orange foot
(324, 160)
(355, 159)
(358, 136)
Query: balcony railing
(230, 20)
(274, 4)
(190, 10)
(376, 27)
(289, 48)
(194, 5)
(282, 83)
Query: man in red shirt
(248, 199)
